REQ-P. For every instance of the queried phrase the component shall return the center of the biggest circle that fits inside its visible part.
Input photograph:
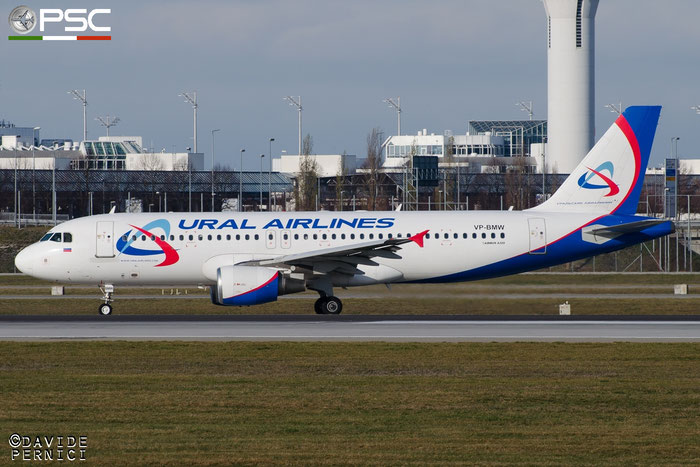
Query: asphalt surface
(353, 328)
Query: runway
(351, 328)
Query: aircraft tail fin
(610, 177)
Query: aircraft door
(104, 246)
(538, 236)
(286, 239)
(271, 239)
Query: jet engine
(251, 285)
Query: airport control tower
(570, 82)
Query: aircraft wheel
(319, 306)
(332, 306)
(105, 309)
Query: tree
(373, 164)
(306, 188)
(340, 181)
(150, 161)
(450, 172)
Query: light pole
(240, 184)
(189, 180)
(615, 108)
(526, 107)
(296, 103)
(674, 143)
(107, 122)
(396, 104)
(82, 98)
(269, 177)
(34, 130)
(212, 168)
(262, 156)
(53, 189)
(192, 99)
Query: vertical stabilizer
(609, 179)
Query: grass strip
(358, 403)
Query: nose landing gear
(107, 291)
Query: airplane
(252, 258)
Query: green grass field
(490, 297)
(358, 403)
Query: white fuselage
(456, 242)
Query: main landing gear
(328, 306)
(105, 308)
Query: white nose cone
(23, 262)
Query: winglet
(418, 238)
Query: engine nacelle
(251, 285)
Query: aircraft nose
(23, 261)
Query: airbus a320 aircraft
(252, 258)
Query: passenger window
(296, 236)
(427, 235)
(333, 236)
(257, 237)
(269, 236)
(200, 237)
(493, 235)
(315, 237)
(218, 237)
(133, 238)
(182, 237)
(503, 235)
(389, 235)
(362, 236)
(474, 235)
(67, 237)
(352, 236)
(456, 236)
(162, 237)
(342, 236)
(324, 236)
(56, 237)
(247, 237)
(464, 235)
(191, 237)
(483, 235)
(371, 236)
(306, 236)
(209, 237)
(228, 236)
(285, 236)
(238, 237)
(172, 237)
(124, 238)
(143, 238)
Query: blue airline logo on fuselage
(295, 223)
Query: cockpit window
(56, 237)
(46, 237)
(67, 237)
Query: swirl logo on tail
(124, 243)
(584, 180)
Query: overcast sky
(451, 61)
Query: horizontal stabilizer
(600, 234)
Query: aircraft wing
(343, 259)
